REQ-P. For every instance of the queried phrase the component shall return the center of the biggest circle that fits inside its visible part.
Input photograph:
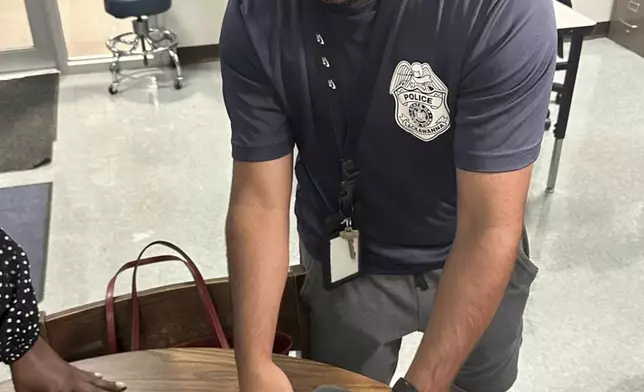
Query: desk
(574, 25)
(208, 370)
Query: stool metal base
(145, 42)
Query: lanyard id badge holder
(344, 238)
(343, 228)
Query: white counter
(597, 10)
(568, 18)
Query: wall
(598, 10)
(86, 26)
(196, 22)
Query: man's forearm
(257, 240)
(470, 290)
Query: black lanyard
(348, 127)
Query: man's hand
(42, 370)
(265, 377)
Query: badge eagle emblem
(421, 100)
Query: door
(26, 43)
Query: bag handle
(109, 298)
(204, 294)
(206, 299)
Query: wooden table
(210, 370)
(570, 24)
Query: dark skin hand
(42, 370)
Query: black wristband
(403, 385)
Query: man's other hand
(266, 377)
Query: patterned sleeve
(19, 326)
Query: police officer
(417, 123)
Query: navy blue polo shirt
(456, 84)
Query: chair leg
(115, 68)
(178, 82)
(548, 123)
(144, 49)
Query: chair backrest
(169, 315)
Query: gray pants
(359, 326)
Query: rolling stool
(143, 40)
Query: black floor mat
(28, 109)
(24, 215)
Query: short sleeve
(505, 87)
(19, 326)
(258, 119)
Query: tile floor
(154, 163)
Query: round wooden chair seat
(207, 370)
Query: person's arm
(257, 228)
(19, 326)
(490, 218)
(499, 120)
(257, 233)
(35, 367)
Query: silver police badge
(421, 100)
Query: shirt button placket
(325, 61)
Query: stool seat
(135, 8)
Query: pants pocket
(312, 281)
(525, 271)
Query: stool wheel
(178, 84)
(113, 90)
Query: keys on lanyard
(351, 236)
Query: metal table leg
(554, 165)
(564, 107)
